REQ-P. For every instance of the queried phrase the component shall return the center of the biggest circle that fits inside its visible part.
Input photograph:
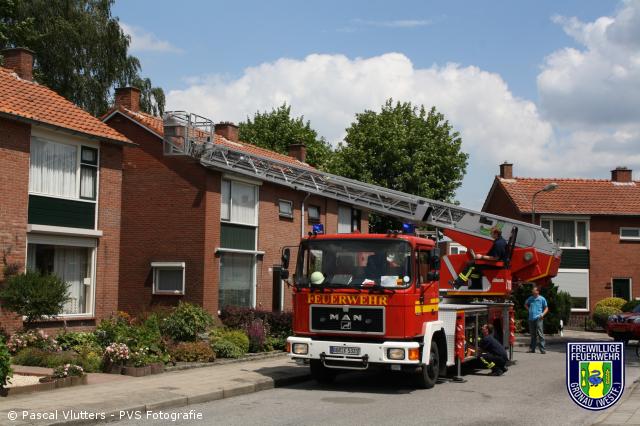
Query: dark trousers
(500, 362)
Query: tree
(404, 148)
(34, 296)
(80, 50)
(276, 130)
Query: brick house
(61, 170)
(203, 236)
(595, 221)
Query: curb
(183, 401)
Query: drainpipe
(302, 216)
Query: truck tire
(430, 373)
(320, 373)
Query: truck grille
(347, 319)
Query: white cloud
(144, 41)
(330, 89)
(396, 23)
(599, 83)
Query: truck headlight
(395, 353)
(300, 348)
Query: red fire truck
(385, 300)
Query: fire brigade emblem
(595, 373)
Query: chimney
(298, 151)
(128, 97)
(20, 60)
(227, 130)
(506, 170)
(621, 174)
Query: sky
(552, 87)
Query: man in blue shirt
(537, 307)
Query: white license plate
(344, 350)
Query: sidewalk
(163, 391)
(625, 412)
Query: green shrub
(238, 337)
(34, 296)
(72, 340)
(38, 358)
(193, 352)
(614, 302)
(90, 357)
(226, 349)
(275, 343)
(5, 364)
(186, 322)
(628, 307)
(602, 312)
(115, 329)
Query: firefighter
(497, 253)
(493, 355)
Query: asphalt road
(532, 392)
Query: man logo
(595, 373)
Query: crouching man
(492, 355)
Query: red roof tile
(156, 126)
(34, 102)
(574, 196)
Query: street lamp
(547, 188)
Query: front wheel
(320, 373)
(430, 373)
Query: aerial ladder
(534, 258)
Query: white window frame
(51, 136)
(566, 270)
(89, 243)
(285, 215)
(158, 266)
(256, 195)
(574, 219)
(627, 228)
(630, 285)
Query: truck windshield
(354, 263)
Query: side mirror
(286, 255)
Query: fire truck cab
(374, 300)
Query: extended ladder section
(192, 135)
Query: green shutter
(574, 259)
(237, 237)
(60, 212)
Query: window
(567, 233)
(629, 233)
(314, 214)
(168, 277)
(576, 283)
(348, 220)
(88, 172)
(63, 170)
(237, 279)
(239, 203)
(72, 264)
(424, 260)
(621, 288)
(285, 208)
(238, 241)
(456, 249)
